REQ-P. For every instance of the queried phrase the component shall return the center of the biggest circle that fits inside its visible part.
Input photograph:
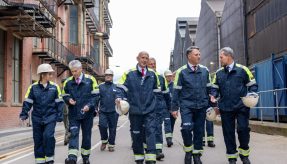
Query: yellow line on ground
(22, 150)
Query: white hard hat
(211, 114)
(250, 100)
(44, 68)
(123, 108)
(109, 72)
(168, 73)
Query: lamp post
(218, 15)
(217, 8)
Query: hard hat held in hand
(211, 114)
(250, 100)
(123, 107)
(44, 68)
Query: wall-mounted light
(102, 35)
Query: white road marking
(31, 153)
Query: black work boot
(203, 143)
(139, 162)
(210, 144)
(50, 162)
(245, 160)
(159, 154)
(86, 161)
(188, 158)
(103, 146)
(232, 161)
(70, 161)
(169, 141)
(196, 159)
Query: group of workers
(154, 100)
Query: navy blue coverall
(84, 93)
(169, 120)
(141, 92)
(231, 86)
(191, 94)
(108, 117)
(47, 110)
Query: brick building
(48, 31)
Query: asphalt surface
(265, 149)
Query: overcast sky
(147, 25)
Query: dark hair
(42, 74)
(189, 49)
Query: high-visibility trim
(252, 82)
(29, 90)
(157, 90)
(65, 95)
(248, 72)
(85, 152)
(168, 135)
(158, 146)
(65, 83)
(139, 157)
(230, 156)
(95, 84)
(214, 86)
(177, 75)
(105, 141)
(48, 159)
(124, 76)
(29, 100)
(177, 87)
(188, 148)
(166, 91)
(145, 145)
(244, 152)
(111, 146)
(150, 157)
(210, 138)
(73, 152)
(59, 100)
(197, 151)
(123, 87)
(208, 84)
(95, 91)
(40, 160)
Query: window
(2, 51)
(73, 24)
(96, 47)
(97, 9)
(16, 71)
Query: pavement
(265, 148)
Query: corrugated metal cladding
(263, 75)
(271, 74)
(272, 37)
(232, 29)
(270, 13)
(206, 37)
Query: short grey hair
(227, 51)
(75, 64)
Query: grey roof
(216, 5)
(182, 22)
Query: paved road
(266, 149)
